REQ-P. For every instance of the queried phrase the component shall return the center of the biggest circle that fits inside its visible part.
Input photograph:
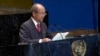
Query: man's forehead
(38, 5)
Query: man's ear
(33, 14)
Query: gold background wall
(23, 4)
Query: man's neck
(35, 20)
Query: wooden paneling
(24, 4)
(78, 32)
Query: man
(34, 30)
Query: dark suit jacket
(29, 34)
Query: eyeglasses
(44, 13)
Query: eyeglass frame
(41, 13)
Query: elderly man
(34, 30)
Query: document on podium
(60, 36)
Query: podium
(53, 48)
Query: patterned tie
(38, 27)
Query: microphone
(53, 26)
(59, 26)
(64, 36)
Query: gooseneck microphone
(63, 29)
(54, 26)
(59, 26)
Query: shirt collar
(34, 21)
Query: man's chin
(41, 20)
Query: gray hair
(34, 7)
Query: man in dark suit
(34, 30)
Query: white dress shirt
(34, 21)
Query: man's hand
(46, 40)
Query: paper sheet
(60, 36)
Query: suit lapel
(34, 30)
(43, 29)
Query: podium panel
(80, 46)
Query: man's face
(39, 14)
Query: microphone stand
(60, 31)
(53, 26)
